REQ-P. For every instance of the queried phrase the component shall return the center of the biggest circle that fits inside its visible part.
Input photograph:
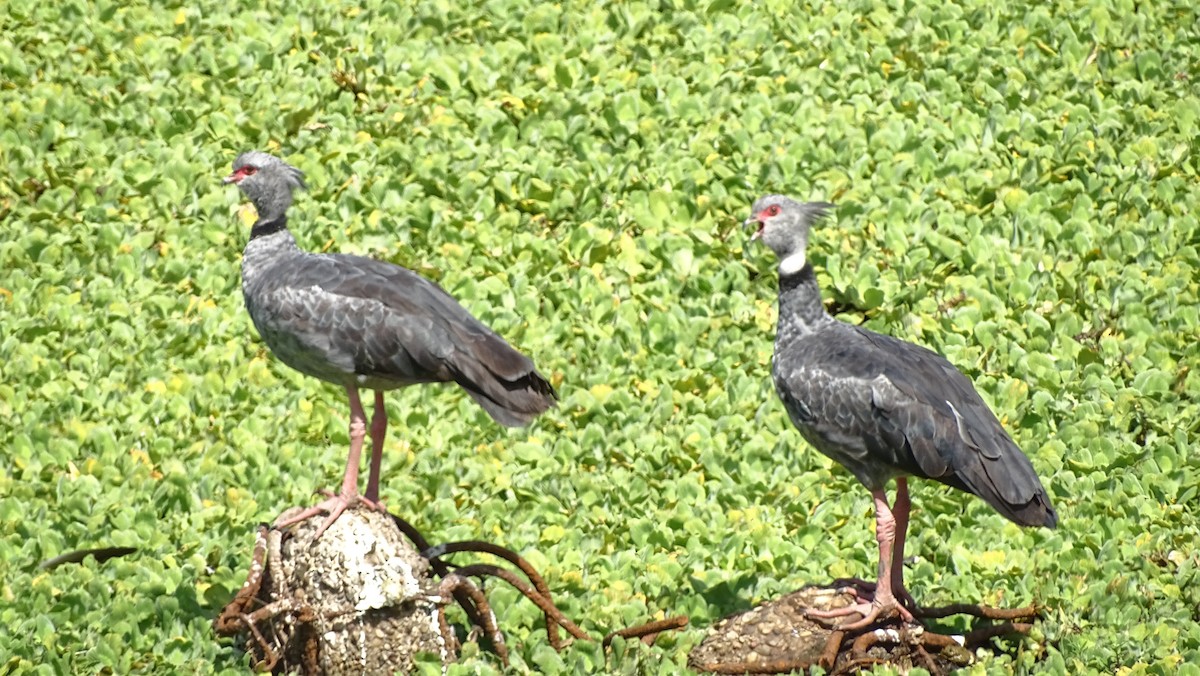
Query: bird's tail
(503, 381)
(519, 410)
(1008, 482)
(1037, 512)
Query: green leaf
(1017, 188)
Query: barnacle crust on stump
(373, 603)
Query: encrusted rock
(773, 634)
(777, 637)
(371, 594)
(359, 600)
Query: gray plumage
(883, 407)
(356, 321)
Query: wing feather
(914, 413)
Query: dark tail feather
(1036, 512)
(504, 382)
(519, 410)
(523, 401)
(1010, 485)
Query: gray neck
(266, 250)
(800, 308)
(272, 203)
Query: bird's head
(267, 180)
(783, 225)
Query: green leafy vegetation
(1018, 187)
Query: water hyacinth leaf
(580, 174)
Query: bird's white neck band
(792, 264)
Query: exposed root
(648, 631)
(274, 625)
(980, 611)
(906, 633)
(920, 640)
(454, 583)
(539, 593)
(440, 569)
(539, 584)
(547, 606)
(281, 611)
(832, 647)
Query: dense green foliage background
(1018, 188)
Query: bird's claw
(864, 592)
(374, 503)
(334, 505)
(870, 613)
(363, 500)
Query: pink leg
(379, 423)
(885, 600)
(336, 504)
(900, 510)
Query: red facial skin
(237, 176)
(762, 217)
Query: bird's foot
(334, 505)
(864, 592)
(871, 612)
(374, 503)
(363, 500)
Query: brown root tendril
(275, 624)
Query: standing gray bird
(358, 322)
(884, 409)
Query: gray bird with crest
(885, 409)
(362, 323)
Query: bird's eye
(249, 171)
(773, 210)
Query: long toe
(333, 506)
(870, 612)
(863, 590)
(333, 515)
(361, 499)
(376, 505)
(864, 596)
(859, 608)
